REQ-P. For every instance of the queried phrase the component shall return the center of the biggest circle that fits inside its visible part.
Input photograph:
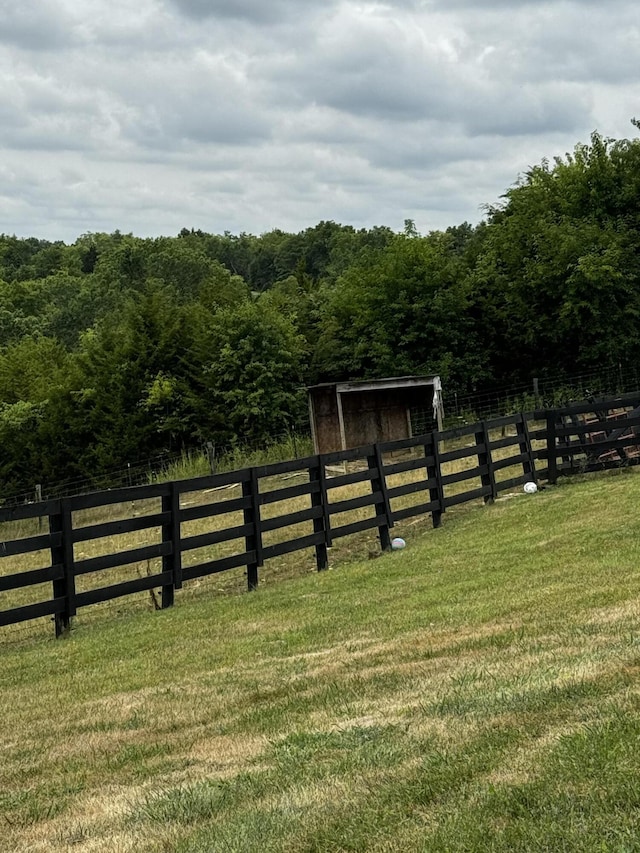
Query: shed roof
(379, 384)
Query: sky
(249, 115)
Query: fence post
(62, 554)
(524, 442)
(434, 472)
(485, 458)
(254, 538)
(171, 533)
(383, 507)
(552, 459)
(320, 524)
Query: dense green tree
(559, 272)
(116, 348)
(400, 310)
(251, 381)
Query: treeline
(116, 348)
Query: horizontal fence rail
(247, 514)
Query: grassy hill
(477, 691)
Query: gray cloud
(256, 11)
(37, 25)
(248, 115)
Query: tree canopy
(115, 348)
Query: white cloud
(245, 115)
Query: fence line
(472, 462)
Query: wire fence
(188, 462)
(549, 391)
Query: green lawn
(478, 691)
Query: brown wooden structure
(349, 414)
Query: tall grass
(197, 464)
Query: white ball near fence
(398, 544)
(530, 488)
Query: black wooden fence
(475, 462)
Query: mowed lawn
(479, 690)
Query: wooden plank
(499, 423)
(626, 422)
(213, 537)
(461, 476)
(289, 492)
(348, 479)
(31, 611)
(68, 559)
(273, 469)
(35, 510)
(473, 495)
(253, 539)
(602, 404)
(407, 465)
(213, 567)
(434, 472)
(460, 453)
(401, 444)
(358, 526)
(500, 464)
(192, 513)
(606, 426)
(379, 484)
(213, 481)
(128, 494)
(503, 485)
(280, 548)
(552, 449)
(122, 558)
(383, 505)
(346, 455)
(458, 432)
(528, 465)
(507, 441)
(280, 521)
(13, 547)
(117, 528)
(171, 534)
(118, 590)
(599, 447)
(322, 522)
(410, 488)
(354, 503)
(18, 580)
(539, 434)
(485, 459)
(60, 555)
(416, 509)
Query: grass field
(479, 690)
(280, 505)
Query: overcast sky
(249, 115)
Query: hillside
(476, 691)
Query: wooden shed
(352, 414)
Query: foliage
(400, 310)
(126, 347)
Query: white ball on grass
(398, 544)
(530, 488)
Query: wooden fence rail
(425, 474)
